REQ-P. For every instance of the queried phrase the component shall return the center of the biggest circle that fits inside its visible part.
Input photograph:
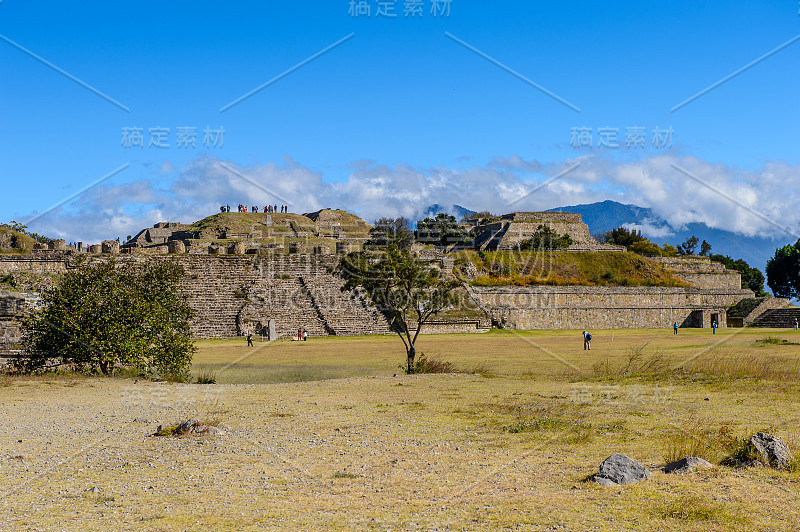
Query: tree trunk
(412, 353)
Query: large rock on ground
(618, 469)
(687, 465)
(772, 450)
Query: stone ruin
(238, 286)
(513, 228)
(12, 309)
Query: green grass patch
(692, 508)
(554, 268)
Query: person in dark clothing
(675, 327)
(249, 340)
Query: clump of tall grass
(713, 364)
(773, 340)
(636, 363)
(750, 366)
(717, 445)
(692, 508)
(700, 440)
(207, 377)
(424, 364)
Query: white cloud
(372, 191)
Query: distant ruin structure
(276, 276)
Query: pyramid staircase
(782, 318)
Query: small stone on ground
(687, 465)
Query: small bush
(773, 340)
(207, 378)
(424, 364)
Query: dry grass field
(330, 434)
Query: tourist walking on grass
(713, 326)
(795, 325)
(305, 335)
(675, 327)
(249, 339)
(587, 341)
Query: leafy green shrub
(101, 316)
(545, 238)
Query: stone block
(110, 246)
(237, 248)
(176, 246)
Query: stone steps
(781, 318)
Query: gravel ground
(357, 453)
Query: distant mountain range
(606, 215)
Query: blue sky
(399, 115)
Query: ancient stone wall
(12, 307)
(54, 263)
(454, 325)
(729, 280)
(516, 227)
(564, 217)
(236, 294)
(702, 272)
(579, 307)
(690, 264)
